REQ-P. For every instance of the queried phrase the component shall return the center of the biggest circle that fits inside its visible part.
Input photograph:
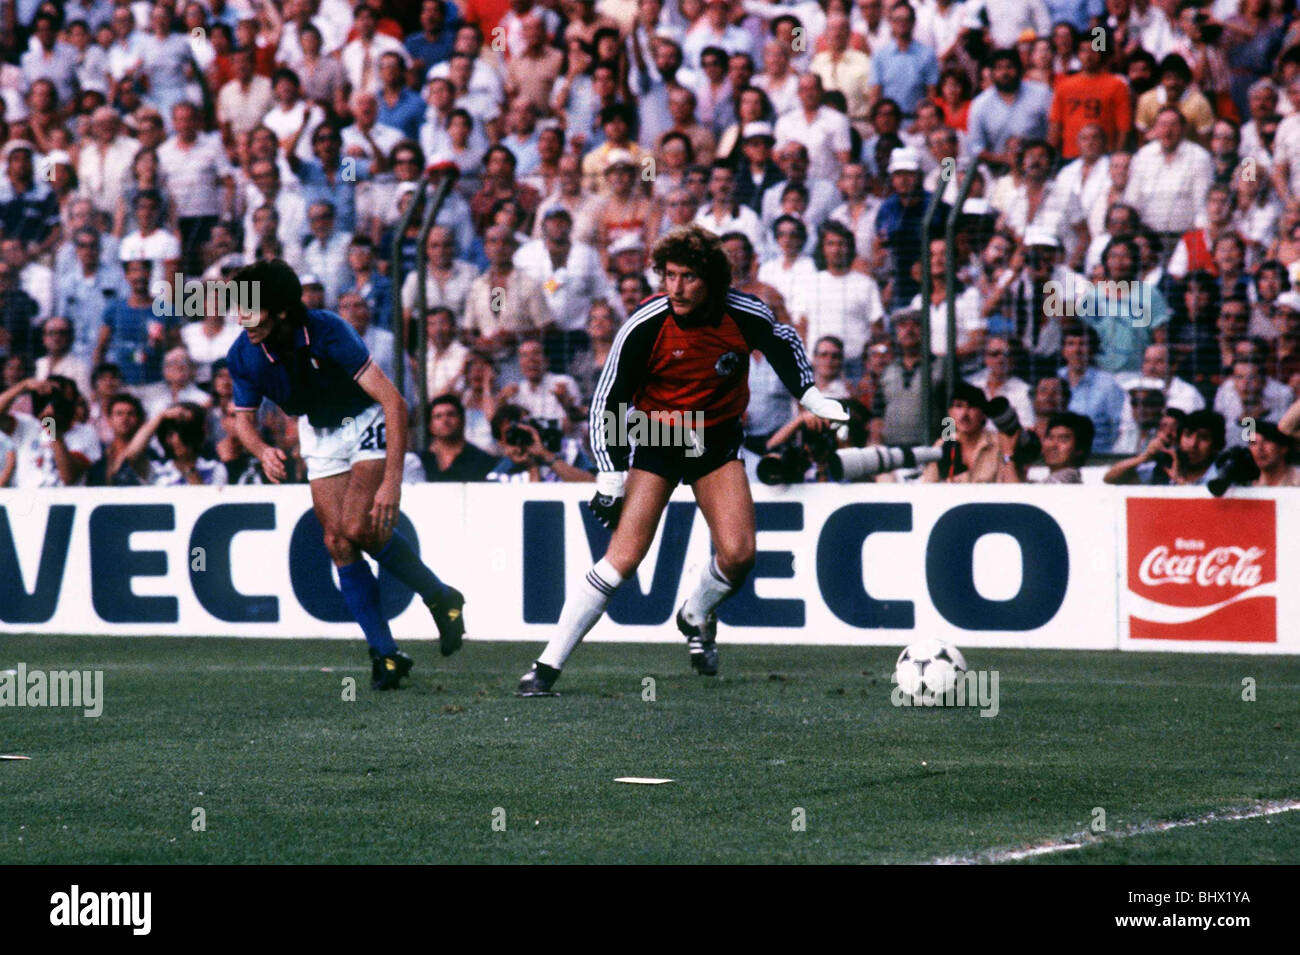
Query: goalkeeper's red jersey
(657, 364)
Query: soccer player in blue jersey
(352, 433)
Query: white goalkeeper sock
(712, 589)
(584, 607)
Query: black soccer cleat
(388, 671)
(702, 643)
(538, 681)
(449, 615)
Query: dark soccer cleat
(702, 643)
(538, 681)
(388, 671)
(449, 615)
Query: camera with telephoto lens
(791, 464)
(548, 432)
(1004, 418)
(1237, 468)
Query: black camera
(548, 432)
(1237, 468)
(789, 465)
(1004, 418)
(785, 467)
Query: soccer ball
(928, 667)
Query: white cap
(758, 129)
(1289, 300)
(1038, 236)
(619, 157)
(309, 279)
(1145, 383)
(627, 243)
(904, 160)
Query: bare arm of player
(270, 457)
(383, 513)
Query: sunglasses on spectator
(830, 354)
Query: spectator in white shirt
(723, 214)
(56, 336)
(325, 253)
(838, 301)
(824, 131)
(150, 241)
(1170, 177)
(791, 268)
(570, 273)
(177, 385)
(293, 119)
(996, 379)
(361, 57)
(447, 356)
(541, 393)
(448, 279)
(104, 163)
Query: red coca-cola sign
(1202, 570)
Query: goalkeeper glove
(607, 504)
(828, 409)
(831, 409)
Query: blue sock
(400, 560)
(361, 594)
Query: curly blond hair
(696, 248)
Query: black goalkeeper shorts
(679, 464)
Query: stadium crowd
(1128, 262)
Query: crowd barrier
(999, 566)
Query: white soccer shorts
(331, 451)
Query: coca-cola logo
(1221, 557)
(1219, 567)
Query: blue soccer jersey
(318, 378)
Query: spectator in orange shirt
(1093, 95)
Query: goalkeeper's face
(687, 291)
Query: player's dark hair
(699, 250)
(279, 290)
(1081, 427)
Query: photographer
(1270, 448)
(51, 451)
(1065, 447)
(1183, 459)
(803, 449)
(535, 451)
(981, 457)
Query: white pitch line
(1081, 840)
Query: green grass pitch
(257, 734)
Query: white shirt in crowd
(1169, 192)
(35, 455)
(569, 289)
(845, 306)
